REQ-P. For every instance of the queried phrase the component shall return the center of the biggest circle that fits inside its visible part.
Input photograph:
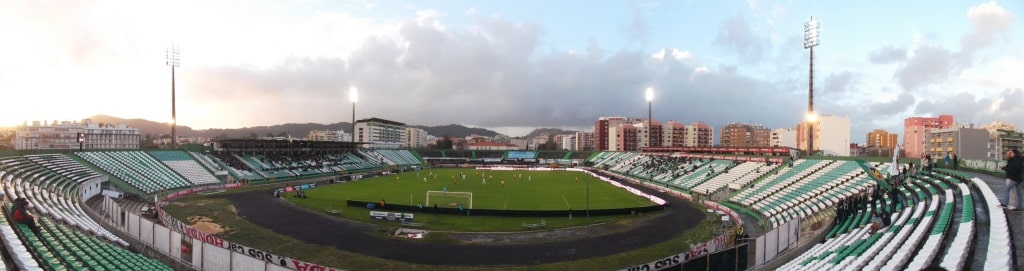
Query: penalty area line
(566, 202)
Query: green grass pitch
(534, 190)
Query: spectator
(21, 215)
(886, 218)
(1013, 169)
(926, 163)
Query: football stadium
(260, 205)
(502, 135)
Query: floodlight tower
(810, 40)
(173, 58)
(353, 95)
(650, 98)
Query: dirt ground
(205, 225)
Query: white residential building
(380, 133)
(65, 135)
(784, 137)
(568, 142)
(521, 143)
(831, 135)
(416, 138)
(329, 135)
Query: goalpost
(450, 198)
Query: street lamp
(353, 96)
(810, 40)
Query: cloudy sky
(511, 64)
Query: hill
(550, 131)
(146, 127)
(297, 130)
(456, 130)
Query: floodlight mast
(650, 98)
(353, 95)
(173, 59)
(810, 41)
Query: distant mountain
(550, 131)
(155, 129)
(296, 130)
(146, 127)
(456, 130)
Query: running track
(260, 208)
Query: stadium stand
(398, 157)
(182, 163)
(488, 154)
(935, 233)
(430, 153)
(458, 153)
(580, 154)
(737, 177)
(551, 154)
(50, 193)
(50, 184)
(933, 222)
(521, 155)
(999, 255)
(137, 169)
(238, 169)
(259, 167)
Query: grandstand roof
(381, 121)
(261, 144)
(491, 144)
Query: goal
(450, 199)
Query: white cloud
(681, 55)
(989, 21)
(675, 53)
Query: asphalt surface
(261, 208)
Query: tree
(444, 143)
(253, 135)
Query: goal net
(450, 199)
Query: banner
(186, 230)
(712, 246)
(390, 216)
(700, 250)
(182, 228)
(986, 165)
(659, 264)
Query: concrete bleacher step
(936, 239)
